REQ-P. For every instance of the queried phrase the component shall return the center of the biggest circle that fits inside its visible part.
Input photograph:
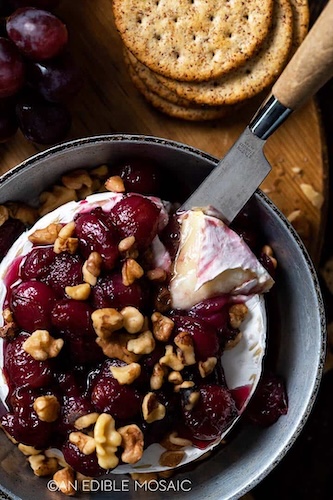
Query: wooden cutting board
(108, 103)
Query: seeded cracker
(152, 83)
(251, 78)
(301, 15)
(193, 40)
(198, 113)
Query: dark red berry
(136, 216)
(204, 336)
(32, 303)
(96, 235)
(22, 368)
(85, 464)
(269, 401)
(121, 401)
(213, 413)
(9, 232)
(111, 292)
(139, 176)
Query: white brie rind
(212, 260)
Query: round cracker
(198, 113)
(254, 76)
(301, 15)
(193, 40)
(153, 84)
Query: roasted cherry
(136, 216)
(121, 401)
(32, 303)
(96, 234)
(213, 413)
(22, 368)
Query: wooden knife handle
(311, 66)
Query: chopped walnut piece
(237, 314)
(171, 458)
(132, 442)
(78, 292)
(107, 441)
(4, 214)
(267, 250)
(92, 267)
(315, 198)
(64, 479)
(173, 442)
(162, 326)
(10, 329)
(171, 359)
(231, 343)
(47, 408)
(190, 394)
(85, 443)
(106, 321)
(143, 344)
(49, 200)
(131, 271)
(99, 172)
(133, 319)
(157, 377)
(162, 302)
(65, 241)
(207, 367)
(28, 450)
(41, 345)
(152, 409)
(42, 465)
(175, 378)
(116, 347)
(115, 184)
(77, 179)
(126, 374)
(127, 247)
(158, 274)
(184, 343)
(86, 421)
(25, 213)
(45, 236)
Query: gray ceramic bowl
(253, 452)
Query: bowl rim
(148, 139)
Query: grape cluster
(38, 75)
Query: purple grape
(12, 71)
(41, 121)
(38, 34)
(56, 80)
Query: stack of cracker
(198, 59)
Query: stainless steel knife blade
(235, 179)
